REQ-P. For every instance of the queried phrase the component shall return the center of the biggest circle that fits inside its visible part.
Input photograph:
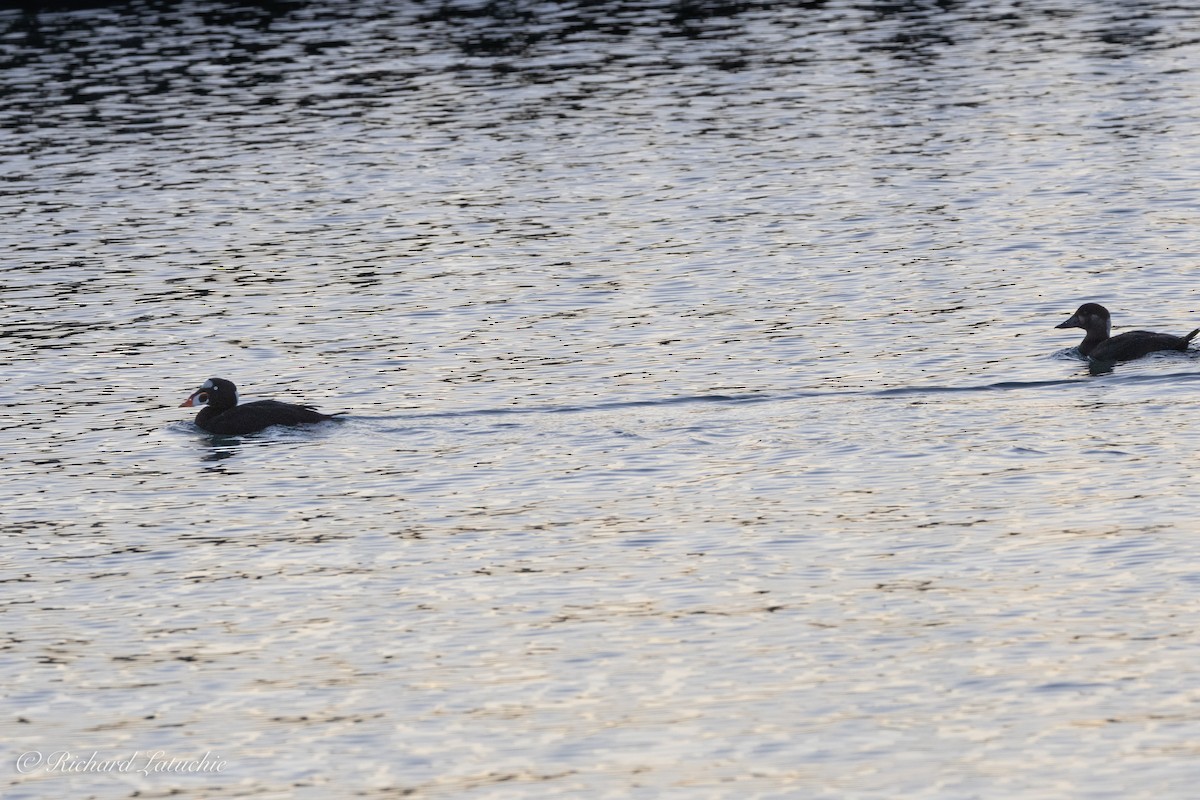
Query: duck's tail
(1190, 336)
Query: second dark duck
(224, 416)
(1099, 345)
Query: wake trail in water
(780, 397)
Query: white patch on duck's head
(1097, 320)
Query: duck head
(216, 393)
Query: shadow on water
(215, 447)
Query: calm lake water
(707, 434)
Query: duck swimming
(222, 414)
(1098, 345)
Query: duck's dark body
(224, 416)
(1135, 344)
(253, 417)
(1099, 346)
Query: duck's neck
(1092, 341)
(208, 412)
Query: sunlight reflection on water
(708, 431)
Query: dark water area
(707, 432)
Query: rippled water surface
(707, 431)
